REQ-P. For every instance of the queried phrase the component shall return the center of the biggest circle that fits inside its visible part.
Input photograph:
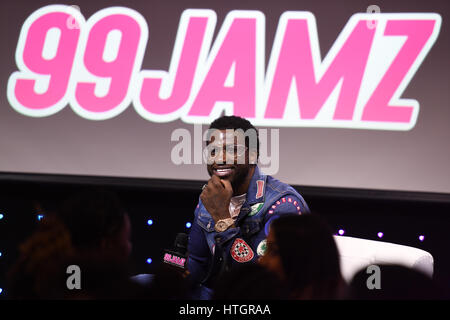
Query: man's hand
(216, 198)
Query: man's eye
(231, 150)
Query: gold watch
(223, 224)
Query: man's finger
(204, 193)
(210, 184)
(216, 181)
(227, 185)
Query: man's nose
(223, 157)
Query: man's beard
(239, 177)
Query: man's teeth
(223, 171)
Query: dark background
(402, 217)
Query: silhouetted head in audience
(37, 273)
(98, 224)
(394, 282)
(302, 251)
(250, 282)
(91, 230)
(102, 280)
(168, 283)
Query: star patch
(241, 251)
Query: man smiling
(236, 206)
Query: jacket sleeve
(287, 204)
(199, 255)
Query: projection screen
(344, 95)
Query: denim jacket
(211, 252)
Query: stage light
(40, 217)
(341, 232)
(1, 254)
(421, 237)
(1, 216)
(149, 222)
(149, 260)
(188, 225)
(1, 290)
(380, 234)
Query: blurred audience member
(103, 280)
(250, 282)
(91, 231)
(395, 283)
(302, 251)
(167, 283)
(98, 225)
(42, 260)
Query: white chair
(356, 254)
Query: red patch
(260, 185)
(241, 251)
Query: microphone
(177, 257)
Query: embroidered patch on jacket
(285, 200)
(255, 209)
(241, 251)
(260, 188)
(262, 247)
